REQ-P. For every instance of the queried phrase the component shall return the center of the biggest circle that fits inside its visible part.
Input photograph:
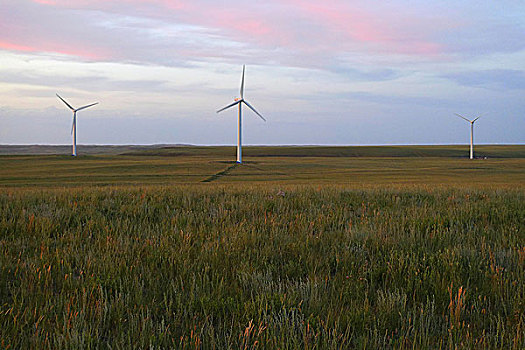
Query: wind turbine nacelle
(237, 99)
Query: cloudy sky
(321, 72)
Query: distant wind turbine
(471, 133)
(240, 101)
(74, 125)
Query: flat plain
(354, 166)
(311, 247)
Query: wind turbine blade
(84, 107)
(462, 117)
(230, 105)
(476, 119)
(67, 104)
(253, 109)
(242, 83)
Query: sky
(333, 72)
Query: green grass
(456, 151)
(281, 252)
(355, 166)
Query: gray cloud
(153, 33)
(499, 79)
(99, 83)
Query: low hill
(453, 151)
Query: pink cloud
(395, 33)
(52, 48)
(311, 26)
(171, 4)
(90, 54)
(4, 45)
(302, 28)
(46, 2)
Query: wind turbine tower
(240, 101)
(74, 125)
(471, 133)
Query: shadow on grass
(220, 173)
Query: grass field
(354, 166)
(409, 247)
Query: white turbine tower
(471, 133)
(74, 125)
(240, 101)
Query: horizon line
(259, 145)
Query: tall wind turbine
(471, 133)
(240, 101)
(74, 125)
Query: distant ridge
(176, 150)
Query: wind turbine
(471, 133)
(240, 101)
(74, 125)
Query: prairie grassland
(189, 166)
(328, 253)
